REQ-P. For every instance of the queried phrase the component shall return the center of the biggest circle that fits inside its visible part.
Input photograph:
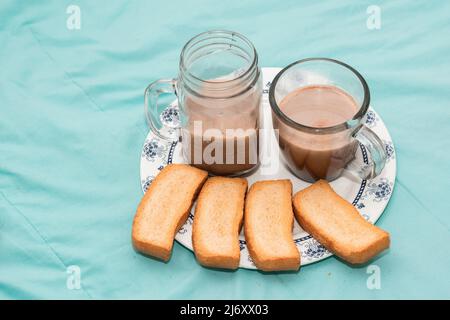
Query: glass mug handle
(163, 119)
(376, 154)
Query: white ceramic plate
(370, 197)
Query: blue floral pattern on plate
(266, 87)
(153, 149)
(371, 118)
(188, 223)
(170, 116)
(360, 205)
(147, 182)
(313, 249)
(389, 148)
(381, 190)
(242, 245)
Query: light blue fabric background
(72, 128)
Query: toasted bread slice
(165, 208)
(218, 221)
(337, 225)
(268, 223)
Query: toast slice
(268, 223)
(218, 221)
(165, 208)
(337, 225)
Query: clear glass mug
(314, 153)
(216, 113)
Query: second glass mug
(217, 114)
(313, 152)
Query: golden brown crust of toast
(217, 222)
(165, 208)
(268, 222)
(337, 225)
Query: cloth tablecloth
(72, 128)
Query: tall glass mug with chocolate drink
(317, 107)
(218, 93)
